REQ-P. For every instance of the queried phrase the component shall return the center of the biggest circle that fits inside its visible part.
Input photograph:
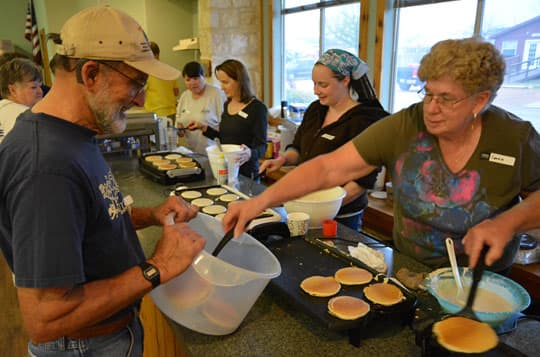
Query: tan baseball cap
(105, 33)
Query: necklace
(456, 155)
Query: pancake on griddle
(161, 162)
(183, 160)
(186, 165)
(322, 286)
(353, 276)
(460, 334)
(153, 158)
(166, 167)
(383, 294)
(173, 156)
(347, 307)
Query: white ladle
(453, 264)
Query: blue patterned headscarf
(344, 63)
(348, 65)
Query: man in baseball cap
(66, 231)
(104, 33)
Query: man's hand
(175, 250)
(177, 207)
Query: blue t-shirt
(62, 217)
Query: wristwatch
(150, 273)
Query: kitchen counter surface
(274, 326)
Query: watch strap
(150, 273)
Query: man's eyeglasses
(443, 101)
(137, 83)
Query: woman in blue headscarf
(347, 105)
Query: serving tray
(174, 175)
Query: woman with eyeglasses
(461, 167)
(201, 102)
(20, 88)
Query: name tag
(502, 159)
(328, 136)
(243, 114)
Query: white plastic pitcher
(232, 154)
(215, 294)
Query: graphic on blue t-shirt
(435, 202)
(111, 192)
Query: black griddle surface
(300, 259)
(151, 172)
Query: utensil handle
(453, 262)
(226, 238)
(169, 220)
(478, 271)
(218, 144)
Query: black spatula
(226, 238)
(478, 271)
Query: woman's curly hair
(475, 64)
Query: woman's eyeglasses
(443, 101)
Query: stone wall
(232, 29)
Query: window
(309, 29)
(419, 28)
(509, 48)
(514, 29)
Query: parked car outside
(407, 77)
(299, 68)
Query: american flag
(31, 32)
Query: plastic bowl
(320, 205)
(215, 293)
(440, 283)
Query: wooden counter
(378, 219)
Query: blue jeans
(126, 342)
(353, 222)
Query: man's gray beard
(99, 103)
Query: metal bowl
(441, 282)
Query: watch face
(151, 271)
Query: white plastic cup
(298, 223)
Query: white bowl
(320, 205)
